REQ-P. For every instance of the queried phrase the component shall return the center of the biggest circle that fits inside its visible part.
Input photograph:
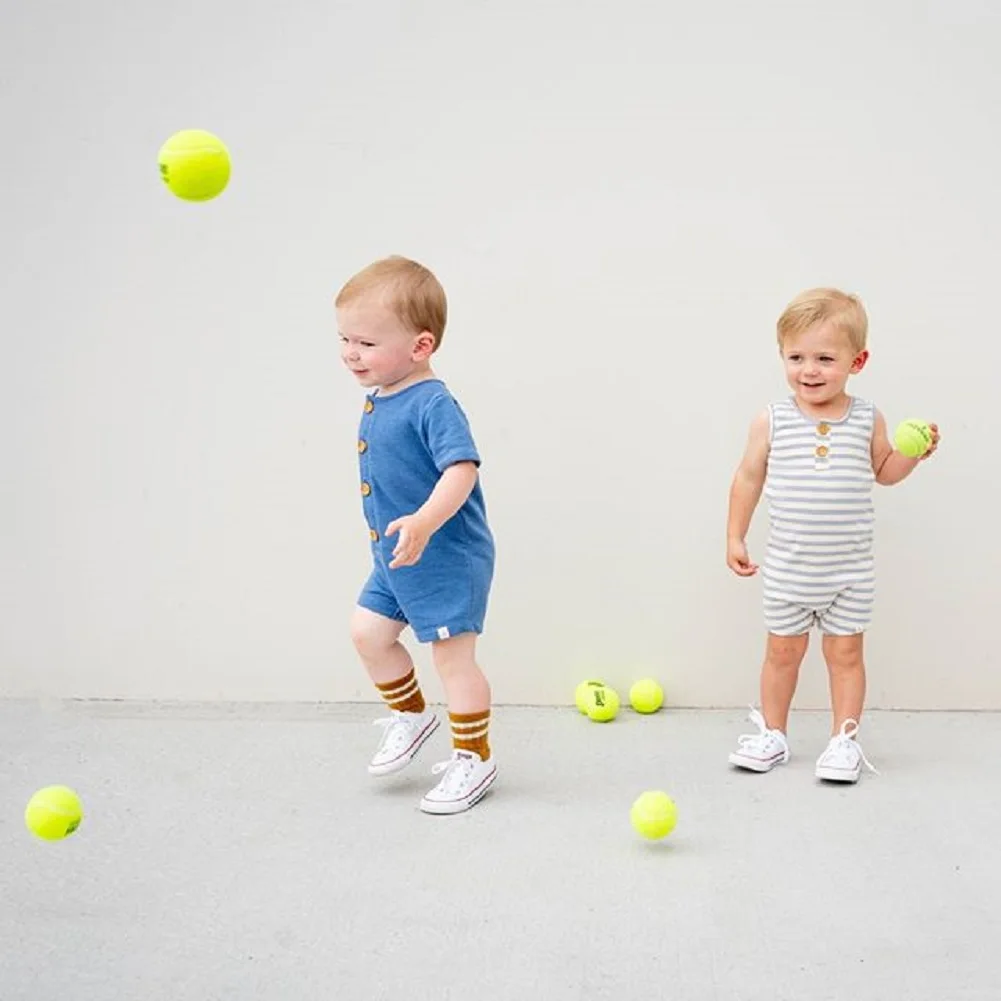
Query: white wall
(619, 197)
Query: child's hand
(934, 441)
(738, 560)
(414, 535)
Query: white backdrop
(619, 198)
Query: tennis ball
(646, 696)
(580, 694)
(194, 165)
(912, 438)
(653, 815)
(53, 813)
(602, 703)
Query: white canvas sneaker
(404, 736)
(466, 779)
(761, 751)
(843, 759)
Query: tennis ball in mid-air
(653, 815)
(53, 813)
(646, 696)
(580, 694)
(194, 165)
(602, 703)
(912, 438)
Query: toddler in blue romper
(432, 549)
(405, 442)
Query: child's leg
(386, 659)
(842, 759)
(779, 674)
(471, 770)
(391, 668)
(846, 669)
(467, 692)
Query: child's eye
(826, 358)
(366, 344)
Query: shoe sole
(398, 764)
(838, 775)
(451, 807)
(754, 764)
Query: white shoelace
(844, 742)
(387, 722)
(748, 741)
(456, 770)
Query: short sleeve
(447, 434)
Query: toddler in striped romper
(816, 455)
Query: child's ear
(859, 363)
(424, 346)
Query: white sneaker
(467, 778)
(404, 736)
(761, 751)
(842, 759)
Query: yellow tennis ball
(53, 813)
(580, 694)
(194, 165)
(646, 696)
(602, 703)
(912, 438)
(653, 815)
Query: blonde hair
(825, 305)
(407, 288)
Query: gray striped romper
(819, 568)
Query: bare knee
(373, 635)
(785, 653)
(843, 654)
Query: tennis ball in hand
(602, 704)
(653, 815)
(194, 165)
(912, 438)
(646, 696)
(53, 813)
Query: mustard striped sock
(469, 732)
(403, 695)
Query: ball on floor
(53, 813)
(580, 694)
(602, 704)
(653, 815)
(646, 696)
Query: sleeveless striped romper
(819, 568)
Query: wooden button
(822, 450)
(373, 535)
(369, 406)
(362, 446)
(365, 490)
(824, 428)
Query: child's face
(818, 363)
(376, 347)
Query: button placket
(822, 447)
(365, 469)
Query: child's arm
(451, 491)
(745, 492)
(888, 464)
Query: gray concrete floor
(243, 852)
